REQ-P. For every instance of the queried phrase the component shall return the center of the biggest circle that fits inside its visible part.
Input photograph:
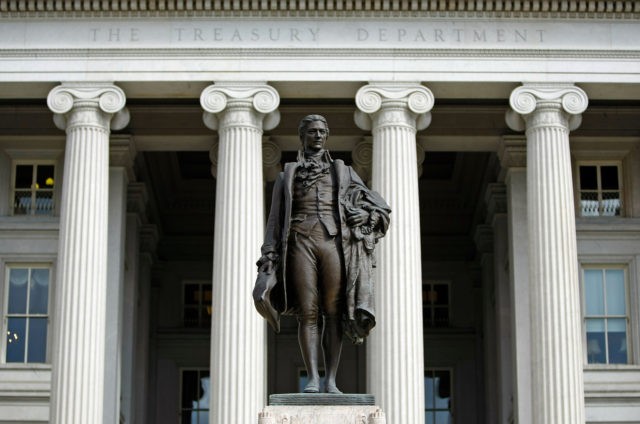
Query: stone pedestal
(303, 408)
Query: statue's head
(313, 131)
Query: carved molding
(318, 7)
(336, 414)
(496, 199)
(122, 152)
(553, 104)
(483, 238)
(240, 104)
(149, 236)
(101, 104)
(137, 198)
(512, 152)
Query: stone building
(138, 144)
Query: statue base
(321, 408)
(321, 399)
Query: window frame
(36, 263)
(426, 285)
(202, 306)
(181, 371)
(451, 408)
(629, 266)
(54, 190)
(599, 191)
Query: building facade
(139, 142)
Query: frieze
(402, 34)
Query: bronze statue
(317, 256)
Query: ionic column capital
(393, 104)
(94, 103)
(252, 104)
(362, 155)
(271, 156)
(546, 105)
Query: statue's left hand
(357, 217)
(266, 267)
(266, 263)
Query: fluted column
(395, 362)
(239, 112)
(86, 111)
(548, 113)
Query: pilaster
(121, 156)
(149, 237)
(496, 201)
(395, 360)
(483, 239)
(239, 112)
(132, 331)
(548, 112)
(512, 152)
(87, 111)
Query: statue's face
(314, 137)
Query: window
(197, 304)
(437, 396)
(600, 190)
(435, 304)
(26, 320)
(33, 185)
(194, 392)
(606, 317)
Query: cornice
(322, 52)
(618, 9)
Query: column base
(321, 409)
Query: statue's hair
(304, 123)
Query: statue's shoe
(312, 387)
(331, 388)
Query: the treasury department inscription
(306, 33)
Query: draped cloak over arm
(359, 317)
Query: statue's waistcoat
(314, 205)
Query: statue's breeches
(315, 272)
